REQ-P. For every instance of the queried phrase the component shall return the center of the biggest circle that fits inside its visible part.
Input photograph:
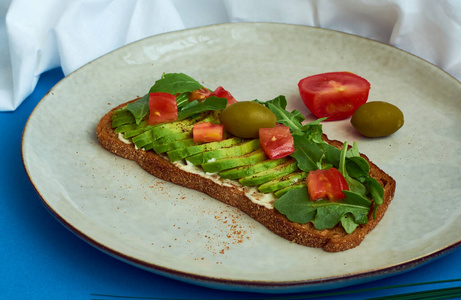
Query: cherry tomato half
(335, 95)
(326, 184)
(276, 142)
(163, 108)
(207, 132)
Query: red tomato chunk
(163, 108)
(200, 94)
(222, 93)
(326, 184)
(207, 132)
(335, 95)
(276, 142)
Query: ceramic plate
(114, 205)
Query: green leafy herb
(181, 84)
(291, 119)
(182, 99)
(353, 166)
(175, 83)
(139, 108)
(312, 130)
(354, 184)
(376, 191)
(356, 165)
(324, 214)
(196, 107)
(348, 223)
(295, 206)
(332, 154)
(307, 153)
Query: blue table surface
(41, 259)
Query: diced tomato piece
(277, 142)
(200, 94)
(326, 184)
(207, 132)
(335, 95)
(163, 108)
(222, 93)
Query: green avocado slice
(233, 162)
(282, 182)
(269, 174)
(281, 192)
(232, 151)
(178, 154)
(173, 145)
(248, 170)
(172, 138)
(122, 117)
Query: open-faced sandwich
(254, 155)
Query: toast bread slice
(330, 240)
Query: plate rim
(255, 285)
(240, 284)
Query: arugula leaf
(330, 213)
(354, 184)
(291, 119)
(356, 165)
(295, 206)
(352, 166)
(139, 108)
(332, 154)
(308, 154)
(324, 214)
(377, 192)
(348, 223)
(312, 130)
(182, 99)
(278, 107)
(175, 83)
(195, 107)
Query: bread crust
(330, 240)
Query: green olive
(377, 119)
(243, 119)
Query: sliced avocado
(269, 174)
(282, 182)
(165, 129)
(138, 129)
(177, 137)
(172, 138)
(185, 125)
(173, 145)
(161, 129)
(248, 170)
(143, 139)
(125, 128)
(235, 150)
(233, 162)
(119, 112)
(178, 154)
(281, 192)
(122, 117)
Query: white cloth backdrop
(36, 36)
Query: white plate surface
(116, 206)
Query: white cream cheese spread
(252, 193)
